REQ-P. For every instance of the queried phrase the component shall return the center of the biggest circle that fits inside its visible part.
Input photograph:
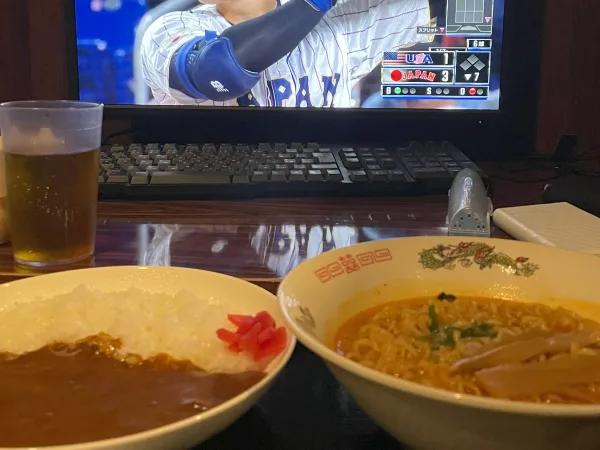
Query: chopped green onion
(434, 325)
(445, 337)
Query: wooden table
(259, 240)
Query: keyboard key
(117, 176)
(448, 164)
(369, 161)
(189, 178)
(117, 149)
(297, 175)
(387, 163)
(352, 163)
(278, 175)
(324, 158)
(323, 166)
(264, 147)
(429, 173)
(379, 175)
(259, 176)
(162, 165)
(334, 175)
(315, 175)
(132, 169)
(139, 178)
(459, 156)
(241, 177)
(397, 175)
(359, 176)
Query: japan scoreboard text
(449, 72)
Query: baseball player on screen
(284, 53)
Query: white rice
(182, 326)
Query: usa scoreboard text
(449, 73)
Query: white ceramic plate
(244, 297)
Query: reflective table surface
(261, 241)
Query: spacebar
(190, 178)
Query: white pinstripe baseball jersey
(347, 44)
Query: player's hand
(322, 5)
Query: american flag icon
(394, 58)
(399, 58)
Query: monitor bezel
(483, 134)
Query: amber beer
(53, 199)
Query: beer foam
(41, 143)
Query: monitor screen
(425, 54)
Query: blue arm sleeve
(225, 67)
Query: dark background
(33, 64)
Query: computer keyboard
(197, 171)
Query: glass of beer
(52, 151)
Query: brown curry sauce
(82, 392)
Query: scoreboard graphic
(460, 73)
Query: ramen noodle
(485, 347)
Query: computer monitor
(378, 62)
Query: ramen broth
(486, 347)
(87, 391)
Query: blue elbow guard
(322, 5)
(206, 68)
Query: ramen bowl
(235, 295)
(324, 292)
